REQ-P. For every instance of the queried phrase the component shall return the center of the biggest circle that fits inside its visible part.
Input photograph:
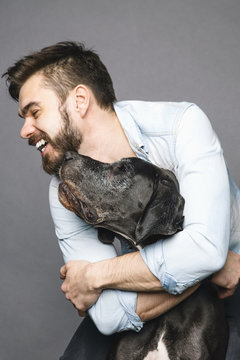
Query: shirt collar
(131, 129)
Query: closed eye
(34, 113)
(165, 182)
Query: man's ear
(82, 99)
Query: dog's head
(131, 197)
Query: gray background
(154, 50)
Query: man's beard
(68, 139)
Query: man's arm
(151, 305)
(85, 281)
(201, 248)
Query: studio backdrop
(171, 50)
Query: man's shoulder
(153, 115)
(163, 106)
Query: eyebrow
(26, 108)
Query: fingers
(81, 313)
(64, 290)
(63, 272)
(224, 293)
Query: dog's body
(195, 329)
(142, 203)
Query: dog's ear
(105, 236)
(157, 218)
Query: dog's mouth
(73, 203)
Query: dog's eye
(165, 182)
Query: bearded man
(67, 101)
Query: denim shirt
(178, 137)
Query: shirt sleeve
(201, 248)
(115, 310)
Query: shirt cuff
(153, 256)
(115, 311)
(128, 300)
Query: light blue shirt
(178, 137)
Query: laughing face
(47, 125)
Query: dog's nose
(69, 155)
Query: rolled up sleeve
(201, 248)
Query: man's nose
(28, 129)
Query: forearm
(127, 272)
(84, 282)
(151, 305)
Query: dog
(141, 202)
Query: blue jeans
(89, 344)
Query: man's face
(47, 125)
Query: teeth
(40, 145)
(42, 149)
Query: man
(67, 99)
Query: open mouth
(41, 145)
(79, 207)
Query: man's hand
(228, 277)
(77, 287)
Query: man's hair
(64, 66)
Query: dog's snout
(69, 155)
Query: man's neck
(104, 138)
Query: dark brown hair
(64, 66)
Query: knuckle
(63, 288)
(231, 286)
(79, 306)
(69, 264)
(234, 283)
(67, 296)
